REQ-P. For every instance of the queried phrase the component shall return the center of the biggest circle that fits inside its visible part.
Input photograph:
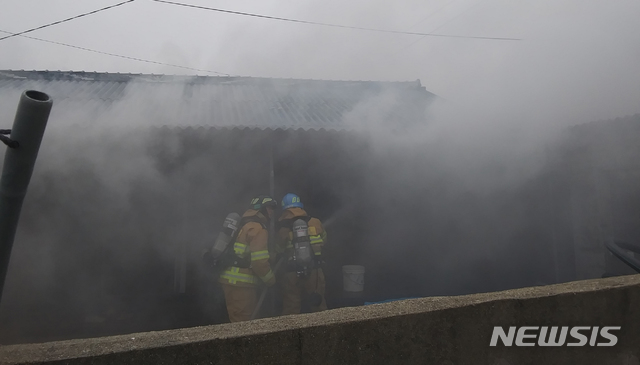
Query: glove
(271, 282)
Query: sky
(577, 61)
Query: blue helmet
(291, 201)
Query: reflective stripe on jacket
(251, 245)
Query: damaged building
(137, 172)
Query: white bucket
(353, 278)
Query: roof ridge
(224, 100)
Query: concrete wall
(438, 330)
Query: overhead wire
(433, 13)
(445, 23)
(65, 20)
(330, 24)
(11, 34)
(118, 55)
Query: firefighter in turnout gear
(251, 268)
(300, 238)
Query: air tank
(229, 229)
(302, 252)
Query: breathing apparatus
(225, 239)
(302, 251)
(303, 257)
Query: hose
(616, 249)
(264, 292)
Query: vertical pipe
(28, 128)
(271, 190)
(272, 222)
(180, 261)
(271, 175)
(550, 168)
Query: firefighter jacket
(284, 236)
(251, 247)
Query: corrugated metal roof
(223, 101)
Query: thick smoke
(433, 200)
(443, 216)
(484, 189)
(113, 207)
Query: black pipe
(28, 128)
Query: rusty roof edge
(126, 77)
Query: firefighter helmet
(290, 201)
(263, 201)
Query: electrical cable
(66, 20)
(117, 55)
(432, 14)
(332, 25)
(445, 23)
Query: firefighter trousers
(294, 287)
(241, 301)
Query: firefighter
(240, 281)
(307, 280)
